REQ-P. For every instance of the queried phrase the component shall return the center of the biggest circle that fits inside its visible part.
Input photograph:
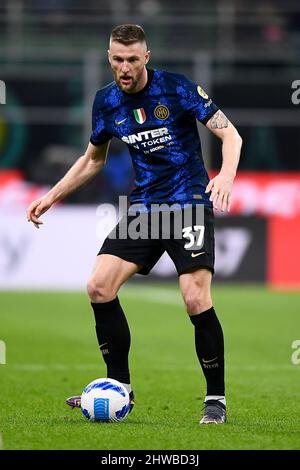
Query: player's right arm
(83, 170)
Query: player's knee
(100, 291)
(197, 302)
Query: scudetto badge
(161, 112)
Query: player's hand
(36, 209)
(220, 187)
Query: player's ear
(108, 55)
(147, 57)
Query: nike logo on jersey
(193, 255)
(120, 122)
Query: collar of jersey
(142, 91)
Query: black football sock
(114, 338)
(209, 343)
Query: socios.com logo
(2, 92)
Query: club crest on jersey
(161, 112)
(140, 115)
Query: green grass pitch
(52, 353)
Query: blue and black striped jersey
(158, 124)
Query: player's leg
(108, 274)
(117, 261)
(195, 287)
(195, 266)
(112, 330)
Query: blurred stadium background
(246, 55)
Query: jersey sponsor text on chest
(149, 138)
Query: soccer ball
(105, 400)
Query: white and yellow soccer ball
(105, 400)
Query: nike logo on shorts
(193, 255)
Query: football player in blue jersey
(154, 112)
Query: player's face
(128, 65)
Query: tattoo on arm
(219, 121)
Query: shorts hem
(144, 269)
(193, 268)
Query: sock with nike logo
(209, 342)
(114, 339)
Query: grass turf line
(52, 353)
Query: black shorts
(147, 251)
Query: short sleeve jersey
(158, 125)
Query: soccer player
(154, 112)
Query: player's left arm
(221, 185)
